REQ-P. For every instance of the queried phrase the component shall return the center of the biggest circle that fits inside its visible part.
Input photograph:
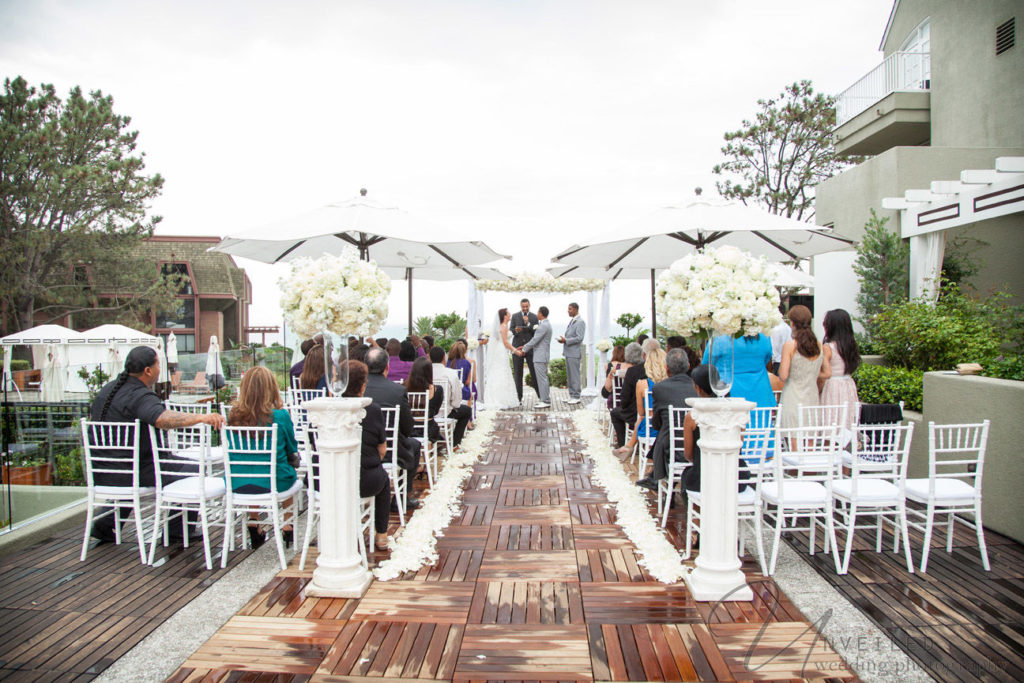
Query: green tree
(883, 268)
(73, 205)
(629, 321)
(450, 325)
(424, 326)
(777, 159)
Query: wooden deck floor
(534, 581)
(958, 622)
(61, 619)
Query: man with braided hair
(127, 398)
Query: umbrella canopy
(397, 241)
(385, 234)
(162, 356)
(172, 349)
(119, 334)
(54, 366)
(669, 233)
(213, 366)
(114, 362)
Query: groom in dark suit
(523, 325)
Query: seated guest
(654, 369)
(417, 344)
(641, 338)
(430, 343)
(625, 413)
(673, 391)
(314, 371)
(358, 352)
(373, 480)
(259, 405)
(455, 408)
(616, 367)
(127, 398)
(691, 434)
(400, 362)
(296, 370)
(421, 378)
(458, 362)
(382, 342)
(677, 342)
(387, 394)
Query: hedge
(884, 384)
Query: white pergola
(925, 215)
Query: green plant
(20, 364)
(94, 380)
(70, 471)
(883, 268)
(629, 321)
(1006, 367)
(557, 376)
(424, 326)
(956, 329)
(450, 325)
(882, 384)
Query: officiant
(523, 325)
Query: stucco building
(948, 98)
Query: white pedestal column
(717, 575)
(339, 569)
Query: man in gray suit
(541, 347)
(573, 351)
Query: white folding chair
(251, 458)
(646, 433)
(419, 405)
(823, 418)
(677, 461)
(757, 440)
(399, 477)
(300, 422)
(956, 460)
(108, 447)
(192, 408)
(445, 423)
(300, 396)
(185, 453)
(827, 416)
(875, 488)
(366, 507)
(616, 390)
(810, 493)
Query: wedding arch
(599, 327)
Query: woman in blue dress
(750, 369)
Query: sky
(530, 125)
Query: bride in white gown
(499, 389)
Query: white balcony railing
(899, 71)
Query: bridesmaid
(801, 368)
(840, 344)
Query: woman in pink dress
(839, 388)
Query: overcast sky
(530, 125)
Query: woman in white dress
(499, 389)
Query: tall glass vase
(722, 358)
(335, 362)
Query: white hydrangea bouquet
(604, 345)
(723, 291)
(339, 294)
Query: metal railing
(900, 71)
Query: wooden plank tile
(529, 565)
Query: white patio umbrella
(162, 356)
(669, 233)
(213, 366)
(172, 349)
(397, 241)
(54, 367)
(114, 362)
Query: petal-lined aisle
(534, 580)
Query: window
(186, 343)
(181, 269)
(915, 71)
(181, 315)
(1006, 35)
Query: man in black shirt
(388, 394)
(128, 398)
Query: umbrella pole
(654, 319)
(408, 277)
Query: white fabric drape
(51, 389)
(591, 376)
(926, 253)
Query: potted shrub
(30, 467)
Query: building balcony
(889, 106)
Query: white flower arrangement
(416, 542)
(472, 344)
(662, 560)
(340, 294)
(724, 290)
(603, 345)
(541, 282)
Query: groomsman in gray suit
(573, 351)
(541, 347)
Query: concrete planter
(952, 398)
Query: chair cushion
(946, 490)
(257, 498)
(188, 488)
(875, 491)
(123, 490)
(796, 492)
